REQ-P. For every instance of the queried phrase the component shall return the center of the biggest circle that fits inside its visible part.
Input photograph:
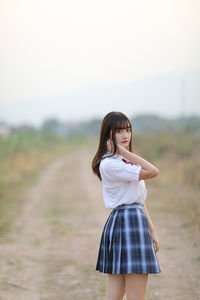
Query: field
(52, 216)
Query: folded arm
(148, 170)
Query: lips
(125, 142)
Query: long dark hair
(112, 122)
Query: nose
(125, 134)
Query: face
(123, 137)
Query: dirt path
(52, 249)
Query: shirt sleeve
(118, 170)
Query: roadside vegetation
(24, 155)
(177, 157)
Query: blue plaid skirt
(126, 244)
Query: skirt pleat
(126, 244)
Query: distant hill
(142, 124)
(153, 124)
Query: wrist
(122, 150)
(153, 230)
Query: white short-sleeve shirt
(121, 184)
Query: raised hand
(110, 146)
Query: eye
(118, 131)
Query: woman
(128, 246)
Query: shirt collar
(117, 156)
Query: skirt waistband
(127, 206)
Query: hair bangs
(122, 123)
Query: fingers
(109, 145)
(156, 245)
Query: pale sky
(79, 59)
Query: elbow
(147, 174)
(155, 172)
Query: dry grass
(177, 157)
(52, 254)
(21, 160)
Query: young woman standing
(128, 246)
